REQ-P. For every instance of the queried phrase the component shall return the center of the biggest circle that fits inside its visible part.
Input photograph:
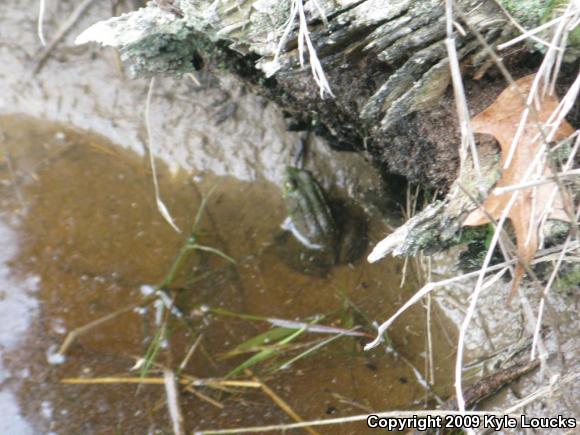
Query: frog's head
(294, 179)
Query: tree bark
(385, 60)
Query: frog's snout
(290, 186)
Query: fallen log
(384, 61)
(378, 79)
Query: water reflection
(88, 239)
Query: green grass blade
(309, 351)
(152, 352)
(216, 252)
(263, 355)
(271, 336)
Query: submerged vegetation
(228, 322)
(267, 355)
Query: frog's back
(309, 216)
(317, 235)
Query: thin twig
(537, 182)
(315, 65)
(203, 397)
(528, 33)
(62, 32)
(281, 403)
(343, 420)
(467, 139)
(308, 351)
(542, 392)
(479, 286)
(40, 25)
(185, 380)
(429, 360)
(173, 402)
(297, 13)
(547, 290)
(190, 352)
(160, 204)
(542, 256)
(72, 336)
(544, 69)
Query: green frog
(317, 234)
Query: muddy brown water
(81, 238)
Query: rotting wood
(385, 61)
(387, 66)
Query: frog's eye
(290, 185)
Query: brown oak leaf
(501, 120)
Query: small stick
(185, 380)
(280, 402)
(113, 380)
(350, 419)
(542, 392)
(545, 294)
(467, 138)
(537, 182)
(40, 24)
(161, 207)
(173, 405)
(62, 32)
(491, 384)
(224, 383)
(190, 352)
(204, 397)
(526, 33)
(75, 333)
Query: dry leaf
(501, 120)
